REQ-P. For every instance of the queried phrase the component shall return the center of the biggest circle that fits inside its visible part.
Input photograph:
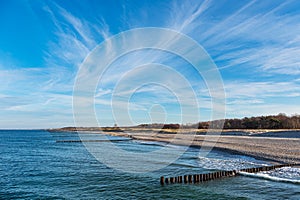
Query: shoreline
(180, 130)
(270, 149)
(259, 148)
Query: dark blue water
(34, 166)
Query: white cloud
(267, 42)
(244, 110)
(253, 38)
(260, 89)
(184, 15)
(245, 101)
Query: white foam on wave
(273, 178)
(285, 174)
(229, 164)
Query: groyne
(198, 178)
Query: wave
(269, 177)
(228, 164)
(188, 165)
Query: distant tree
(280, 121)
(171, 126)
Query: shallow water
(34, 166)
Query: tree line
(280, 121)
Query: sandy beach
(277, 150)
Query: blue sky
(255, 45)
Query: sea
(35, 166)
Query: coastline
(181, 130)
(276, 150)
(271, 149)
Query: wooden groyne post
(198, 178)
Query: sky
(255, 46)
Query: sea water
(34, 166)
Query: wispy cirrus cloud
(76, 37)
(262, 98)
(256, 34)
(268, 42)
(254, 43)
(185, 17)
(260, 89)
(242, 39)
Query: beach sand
(277, 150)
